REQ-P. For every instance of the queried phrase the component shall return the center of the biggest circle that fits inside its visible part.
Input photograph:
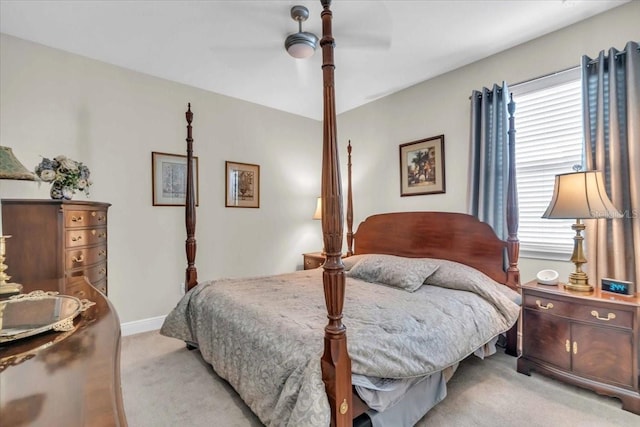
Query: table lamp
(580, 195)
(318, 215)
(11, 168)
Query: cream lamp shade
(11, 168)
(580, 195)
(318, 213)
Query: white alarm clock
(547, 277)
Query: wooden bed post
(335, 362)
(349, 204)
(191, 279)
(513, 244)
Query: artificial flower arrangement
(65, 175)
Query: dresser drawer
(93, 274)
(84, 237)
(85, 218)
(77, 258)
(101, 285)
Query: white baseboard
(140, 326)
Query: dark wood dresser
(71, 378)
(54, 239)
(586, 339)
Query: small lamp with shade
(580, 195)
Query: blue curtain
(489, 168)
(611, 119)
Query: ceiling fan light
(301, 45)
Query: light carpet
(164, 384)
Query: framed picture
(169, 179)
(422, 167)
(242, 185)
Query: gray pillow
(352, 260)
(404, 273)
(455, 275)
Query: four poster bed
(420, 290)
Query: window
(549, 141)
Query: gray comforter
(264, 334)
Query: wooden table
(65, 378)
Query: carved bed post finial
(191, 278)
(335, 362)
(349, 203)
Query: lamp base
(578, 281)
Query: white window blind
(548, 142)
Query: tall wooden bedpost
(335, 362)
(349, 204)
(513, 244)
(191, 279)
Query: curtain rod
(536, 78)
(555, 73)
(622, 52)
(593, 61)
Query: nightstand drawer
(603, 315)
(547, 305)
(584, 312)
(312, 262)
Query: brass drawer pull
(78, 259)
(77, 218)
(567, 346)
(76, 238)
(575, 347)
(544, 307)
(102, 252)
(102, 271)
(102, 235)
(101, 218)
(93, 213)
(597, 316)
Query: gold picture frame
(422, 167)
(169, 179)
(242, 185)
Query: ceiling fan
(363, 27)
(301, 44)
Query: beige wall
(52, 102)
(441, 106)
(111, 119)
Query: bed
(419, 292)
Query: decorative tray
(25, 315)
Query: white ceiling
(236, 48)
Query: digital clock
(617, 286)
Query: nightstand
(313, 260)
(586, 339)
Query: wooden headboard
(445, 235)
